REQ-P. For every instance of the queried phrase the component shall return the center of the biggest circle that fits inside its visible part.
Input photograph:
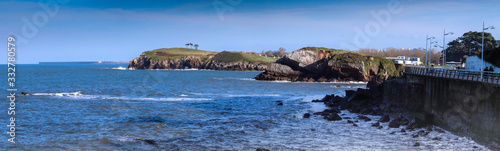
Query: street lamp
(444, 52)
(473, 42)
(430, 50)
(439, 46)
(427, 38)
(482, 48)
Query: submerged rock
(416, 144)
(306, 115)
(262, 149)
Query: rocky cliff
(219, 61)
(324, 65)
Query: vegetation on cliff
(233, 57)
(324, 64)
(177, 53)
(182, 58)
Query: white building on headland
(406, 60)
(473, 63)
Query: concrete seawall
(466, 108)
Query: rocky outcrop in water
(324, 65)
(145, 62)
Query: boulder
(395, 123)
(306, 115)
(262, 149)
(384, 119)
(334, 117)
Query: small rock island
(185, 58)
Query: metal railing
(488, 76)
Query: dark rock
(403, 130)
(376, 124)
(332, 110)
(25, 93)
(439, 130)
(318, 113)
(346, 117)
(306, 115)
(146, 62)
(395, 123)
(384, 119)
(334, 117)
(380, 127)
(349, 93)
(314, 64)
(368, 119)
(416, 144)
(354, 125)
(281, 103)
(368, 111)
(362, 117)
(429, 127)
(325, 114)
(349, 121)
(336, 110)
(415, 135)
(405, 122)
(317, 101)
(354, 109)
(436, 138)
(393, 133)
(262, 149)
(149, 141)
(475, 147)
(313, 129)
(356, 121)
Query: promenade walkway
(461, 74)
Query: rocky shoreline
(145, 62)
(318, 64)
(406, 121)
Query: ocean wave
(243, 79)
(119, 68)
(79, 95)
(250, 95)
(60, 94)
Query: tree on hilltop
(196, 46)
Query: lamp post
(430, 50)
(482, 48)
(427, 38)
(444, 52)
(439, 46)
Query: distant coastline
(86, 62)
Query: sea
(107, 107)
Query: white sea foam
(79, 95)
(60, 94)
(250, 95)
(120, 68)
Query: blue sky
(120, 30)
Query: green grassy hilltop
(177, 53)
(225, 56)
(232, 57)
